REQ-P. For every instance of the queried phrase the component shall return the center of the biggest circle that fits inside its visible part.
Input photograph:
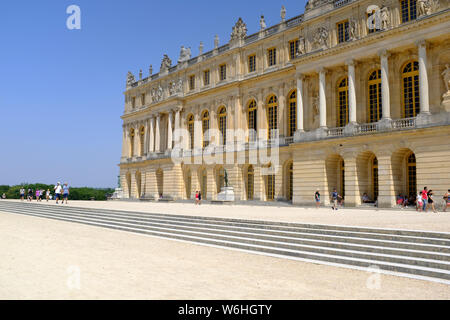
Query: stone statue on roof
(185, 54)
(239, 30)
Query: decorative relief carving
(320, 38)
(446, 77)
(301, 46)
(426, 7)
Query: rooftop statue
(166, 63)
(130, 79)
(185, 54)
(216, 41)
(283, 14)
(239, 30)
(262, 23)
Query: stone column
(423, 78)
(158, 134)
(300, 115)
(386, 191)
(197, 130)
(385, 93)
(322, 98)
(124, 141)
(352, 197)
(152, 135)
(351, 91)
(177, 125)
(281, 113)
(169, 131)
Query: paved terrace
(363, 217)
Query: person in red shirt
(425, 198)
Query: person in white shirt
(58, 189)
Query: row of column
(386, 113)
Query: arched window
(252, 120)
(250, 182)
(292, 114)
(410, 89)
(205, 128)
(375, 178)
(141, 141)
(342, 94)
(190, 125)
(132, 134)
(223, 125)
(272, 116)
(411, 174)
(374, 89)
(409, 10)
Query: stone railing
(294, 21)
(404, 123)
(340, 3)
(366, 128)
(335, 132)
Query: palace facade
(354, 95)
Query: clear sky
(61, 90)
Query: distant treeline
(13, 192)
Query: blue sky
(61, 91)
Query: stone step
(424, 267)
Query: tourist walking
(4, 196)
(447, 200)
(65, 192)
(199, 198)
(57, 189)
(38, 194)
(30, 195)
(425, 198)
(334, 199)
(47, 195)
(196, 197)
(317, 198)
(419, 202)
(431, 200)
(22, 194)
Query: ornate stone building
(353, 94)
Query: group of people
(61, 193)
(198, 197)
(423, 201)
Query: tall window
(220, 179)
(204, 186)
(272, 56)
(409, 10)
(342, 176)
(223, 125)
(292, 114)
(132, 142)
(342, 28)
(410, 85)
(342, 111)
(206, 77)
(270, 190)
(192, 82)
(223, 72)
(133, 102)
(375, 178)
(272, 116)
(374, 87)
(250, 182)
(190, 123)
(293, 49)
(412, 178)
(141, 141)
(252, 120)
(143, 99)
(252, 63)
(205, 128)
(290, 172)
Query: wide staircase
(418, 254)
